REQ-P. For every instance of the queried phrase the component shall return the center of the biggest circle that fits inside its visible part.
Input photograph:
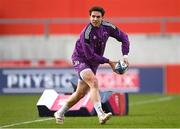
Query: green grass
(145, 111)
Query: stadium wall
(155, 61)
(48, 9)
(144, 49)
(73, 8)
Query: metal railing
(46, 22)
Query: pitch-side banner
(36, 80)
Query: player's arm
(112, 64)
(121, 37)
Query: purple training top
(91, 45)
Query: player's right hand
(112, 64)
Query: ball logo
(121, 67)
(123, 64)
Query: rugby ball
(121, 67)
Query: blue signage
(35, 80)
(63, 80)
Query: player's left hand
(125, 59)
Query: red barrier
(173, 79)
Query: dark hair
(97, 8)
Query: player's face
(96, 18)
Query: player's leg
(89, 77)
(82, 89)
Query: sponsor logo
(128, 82)
(36, 80)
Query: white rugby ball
(121, 67)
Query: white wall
(144, 49)
(149, 49)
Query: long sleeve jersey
(91, 45)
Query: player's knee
(80, 94)
(93, 82)
(90, 79)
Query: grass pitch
(145, 111)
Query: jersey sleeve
(120, 36)
(123, 37)
(88, 49)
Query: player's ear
(102, 16)
(90, 17)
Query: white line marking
(152, 101)
(26, 122)
(132, 104)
